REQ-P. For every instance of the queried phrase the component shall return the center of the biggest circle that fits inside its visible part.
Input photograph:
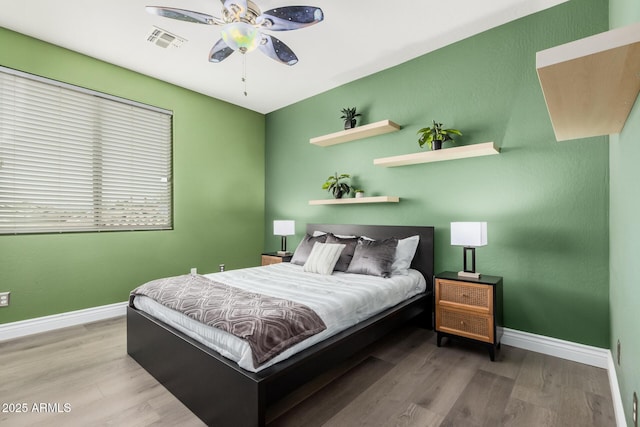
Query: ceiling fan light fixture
(241, 36)
(241, 24)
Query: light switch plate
(4, 299)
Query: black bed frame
(222, 394)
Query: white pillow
(323, 258)
(405, 251)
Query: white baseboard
(594, 356)
(615, 393)
(57, 321)
(586, 354)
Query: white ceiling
(356, 38)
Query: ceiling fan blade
(236, 7)
(290, 18)
(219, 52)
(184, 15)
(275, 49)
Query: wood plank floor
(404, 380)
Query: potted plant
(349, 115)
(335, 186)
(359, 193)
(435, 136)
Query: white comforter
(341, 300)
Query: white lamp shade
(469, 234)
(284, 227)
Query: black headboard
(422, 261)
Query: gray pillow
(373, 257)
(304, 248)
(347, 253)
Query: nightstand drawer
(472, 296)
(268, 260)
(470, 325)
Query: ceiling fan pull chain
(244, 73)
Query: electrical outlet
(194, 271)
(618, 352)
(634, 410)
(4, 299)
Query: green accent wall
(218, 161)
(546, 203)
(624, 229)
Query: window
(76, 160)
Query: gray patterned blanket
(269, 325)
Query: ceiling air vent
(164, 39)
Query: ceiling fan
(243, 23)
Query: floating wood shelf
(360, 132)
(352, 200)
(590, 85)
(475, 150)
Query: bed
(221, 393)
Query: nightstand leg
(438, 339)
(492, 353)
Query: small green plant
(435, 136)
(336, 187)
(349, 116)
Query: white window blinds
(77, 160)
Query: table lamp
(284, 228)
(469, 235)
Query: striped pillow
(323, 258)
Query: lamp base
(284, 253)
(468, 274)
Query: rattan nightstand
(470, 309)
(269, 258)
